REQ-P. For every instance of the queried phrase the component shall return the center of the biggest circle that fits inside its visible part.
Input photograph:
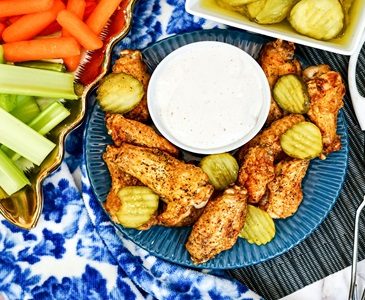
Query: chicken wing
(326, 90)
(277, 59)
(181, 186)
(285, 191)
(218, 227)
(130, 62)
(123, 130)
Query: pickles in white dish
(138, 205)
(269, 11)
(303, 141)
(291, 94)
(319, 19)
(222, 169)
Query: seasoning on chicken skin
(130, 62)
(285, 191)
(277, 59)
(181, 186)
(326, 91)
(218, 227)
(123, 130)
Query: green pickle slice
(138, 205)
(259, 227)
(291, 94)
(303, 141)
(119, 93)
(222, 169)
(319, 19)
(270, 11)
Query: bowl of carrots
(52, 55)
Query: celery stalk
(8, 102)
(44, 102)
(46, 65)
(11, 178)
(22, 139)
(36, 82)
(26, 108)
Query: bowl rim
(152, 102)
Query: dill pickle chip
(259, 227)
(291, 94)
(319, 19)
(240, 8)
(119, 93)
(237, 2)
(222, 169)
(254, 8)
(138, 204)
(303, 141)
(273, 11)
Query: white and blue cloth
(75, 252)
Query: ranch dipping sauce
(208, 97)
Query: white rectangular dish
(345, 44)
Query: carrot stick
(101, 14)
(79, 30)
(41, 49)
(78, 8)
(10, 8)
(21, 30)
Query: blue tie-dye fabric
(75, 252)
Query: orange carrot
(41, 49)
(13, 19)
(90, 6)
(52, 28)
(21, 30)
(78, 8)
(79, 30)
(2, 27)
(101, 14)
(10, 8)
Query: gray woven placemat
(329, 248)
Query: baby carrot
(41, 49)
(79, 30)
(13, 19)
(21, 7)
(101, 14)
(52, 28)
(21, 30)
(78, 8)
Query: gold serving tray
(24, 208)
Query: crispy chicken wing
(218, 227)
(277, 59)
(123, 130)
(285, 191)
(130, 62)
(326, 90)
(181, 186)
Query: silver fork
(359, 106)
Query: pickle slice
(273, 11)
(259, 227)
(236, 2)
(319, 19)
(138, 205)
(119, 93)
(254, 8)
(291, 94)
(239, 8)
(303, 141)
(222, 169)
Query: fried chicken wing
(326, 90)
(285, 191)
(130, 62)
(218, 227)
(277, 59)
(181, 186)
(123, 130)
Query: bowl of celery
(38, 107)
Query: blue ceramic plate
(321, 186)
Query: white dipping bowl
(208, 97)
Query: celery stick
(36, 82)
(8, 102)
(45, 65)
(11, 178)
(22, 139)
(26, 108)
(44, 102)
